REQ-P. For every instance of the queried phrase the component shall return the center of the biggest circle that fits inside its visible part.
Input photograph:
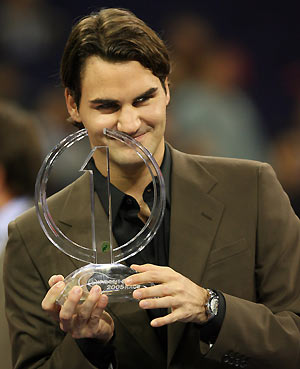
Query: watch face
(214, 304)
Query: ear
(72, 106)
(167, 89)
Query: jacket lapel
(195, 216)
(76, 221)
(133, 318)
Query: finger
(164, 320)
(84, 311)
(98, 310)
(143, 268)
(103, 301)
(159, 290)
(49, 301)
(155, 275)
(69, 308)
(55, 279)
(163, 302)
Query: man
(19, 163)
(228, 227)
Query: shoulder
(214, 161)
(218, 166)
(28, 221)
(222, 176)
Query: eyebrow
(147, 93)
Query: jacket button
(225, 358)
(228, 358)
(231, 358)
(235, 359)
(244, 363)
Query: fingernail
(154, 323)
(144, 303)
(77, 290)
(128, 280)
(137, 294)
(103, 298)
(96, 289)
(59, 284)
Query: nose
(128, 120)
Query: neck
(132, 182)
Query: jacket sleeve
(37, 341)
(266, 333)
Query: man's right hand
(81, 320)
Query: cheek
(95, 122)
(95, 130)
(155, 114)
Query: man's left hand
(171, 290)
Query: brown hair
(115, 35)
(20, 149)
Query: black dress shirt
(126, 224)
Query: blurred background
(235, 79)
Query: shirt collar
(117, 196)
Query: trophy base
(108, 276)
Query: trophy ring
(109, 276)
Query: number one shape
(95, 246)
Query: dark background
(33, 34)
(269, 30)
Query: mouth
(139, 136)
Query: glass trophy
(104, 257)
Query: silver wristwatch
(212, 306)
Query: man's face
(126, 97)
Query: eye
(108, 108)
(140, 100)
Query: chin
(126, 159)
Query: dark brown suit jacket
(232, 229)
(5, 350)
